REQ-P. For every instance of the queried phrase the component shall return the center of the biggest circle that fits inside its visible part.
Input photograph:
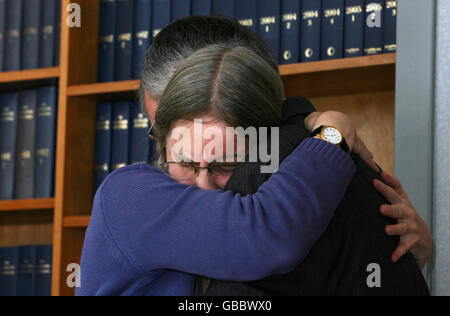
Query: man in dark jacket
(353, 255)
(181, 39)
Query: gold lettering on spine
(120, 123)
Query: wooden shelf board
(103, 88)
(338, 64)
(29, 75)
(344, 65)
(76, 221)
(27, 205)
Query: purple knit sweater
(145, 227)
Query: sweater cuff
(331, 153)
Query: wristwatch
(332, 135)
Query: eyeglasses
(188, 170)
(150, 132)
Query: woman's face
(202, 153)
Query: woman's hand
(413, 231)
(344, 124)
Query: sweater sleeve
(157, 223)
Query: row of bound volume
(295, 30)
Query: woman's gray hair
(232, 84)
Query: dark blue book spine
(30, 34)
(373, 31)
(290, 31)
(332, 29)
(25, 151)
(47, 33)
(102, 143)
(202, 7)
(269, 27)
(224, 7)
(142, 33)
(43, 270)
(58, 34)
(140, 144)
(354, 28)
(390, 26)
(44, 164)
(310, 34)
(107, 40)
(180, 9)
(13, 35)
(124, 42)
(120, 134)
(2, 32)
(10, 271)
(161, 15)
(246, 13)
(27, 271)
(8, 127)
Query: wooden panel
(70, 253)
(374, 117)
(83, 45)
(26, 228)
(75, 144)
(22, 205)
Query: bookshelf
(362, 87)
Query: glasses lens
(181, 171)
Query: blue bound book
(120, 134)
(13, 31)
(142, 33)
(8, 126)
(180, 9)
(202, 7)
(44, 165)
(269, 24)
(47, 33)
(43, 270)
(246, 13)
(373, 31)
(161, 15)
(27, 271)
(140, 145)
(290, 31)
(10, 271)
(25, 151)
(310, 34)
(58, 34)
(223, 7)
(332, 29)
(124, 42)
(30, 34)
(102, 143)
(2, 32)
(390, 26)
(354, 28)
(107, 40)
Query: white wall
(441, 205)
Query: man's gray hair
(177, 42)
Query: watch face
(332, 135)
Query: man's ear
(151, 105)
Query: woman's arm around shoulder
(159, 224)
